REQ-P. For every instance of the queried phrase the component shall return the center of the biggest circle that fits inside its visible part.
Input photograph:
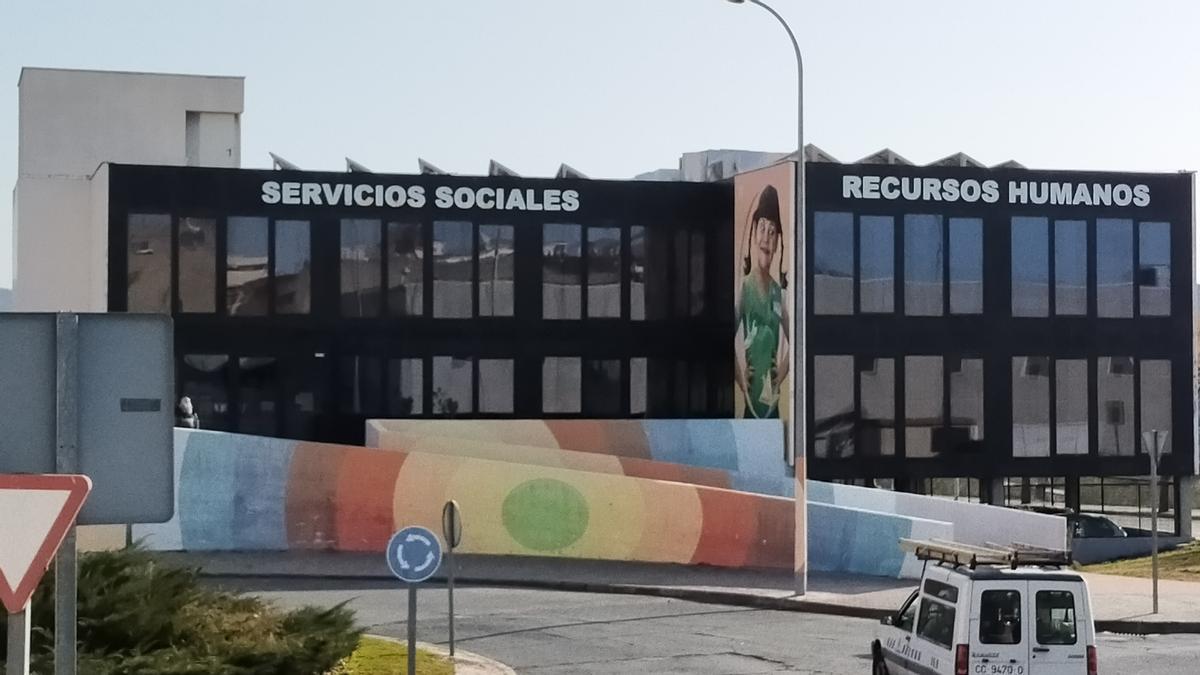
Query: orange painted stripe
(365, 485)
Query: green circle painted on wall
(544, 514)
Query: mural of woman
(763, 324)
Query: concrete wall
(859, 541)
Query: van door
(998, 641)
(1057, 641)
(896, 640)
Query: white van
(984, 611)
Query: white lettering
(1122, 195)
(889, 187)
(270, 192)
(991, 191)
(971, 189)
(291, 193)
(464, 198)
(332, 193)
(553, 200)
(570, 200)
(870, 187)
(310, 193)
(911, 188)
(393, 196)
(1060, 193)
(851, 187)
(443, 197)
(931, 190)
(1102, 194)
(531, 201)
(516, 201)
(485, 198)
(951, 189)
(1083, 197)
(416, 196)
(362, 195)
(1141, 195)
(1018, 192)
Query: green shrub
(140, 617)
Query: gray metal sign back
(125, 391)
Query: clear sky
(617, 87)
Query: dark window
(293, 267)
(246, 266)
(697, 268)
(659, 378)
(1114, 267)
(833, 263)
(1000, 618)
(966, 265)
(1114, 389)
(361, 391)
(936, 623)
(697, 389)
(924, 418)
(1156, 399)
(680, 268)
(452, 383)
(602, 387)
(497, 283)
(907, 613)
(197, 265)
(495, 385)
(1070, 267)
(941, 590)
(1071, 406)
(923, 265)
(877, 264)
(637, 386)
(148, 282)
(1030, 267)
(303, 395)
(1154, 269)
(833, 406)
(1031, 406)
(561, 387)
(405, 391)
(406, 269)
(680, 389)
(1056, 618)
(649, 293)
(258, 379)
(604, 272)
(877, 392)
(361, 267)
(562, 271)
(452, 269)
(965, 433)
(205, 379)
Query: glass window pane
(258, 380)
(1071, 406)
(936, 622)
(1114, 267)
(293, 267)
(1154, 269)
(1030, 267)
(246, 266)
(680, 389)
(495, 385)
(659, 374)
(1156, 400)
(149, 269)
(197, 265)
(966, 265)
(361, 385)
(562, 271)
(303, 396)
(833, 260)
(877, 264)
(696, 273)
(561, 384)
(1000, 617)
(1070, 267)
(923, 261)
(877, 393)
(1031, 406)
(681, 267)
(1056, 618)
(1114, 389)
(405, 391)
(496, 278)
(648, 285)
(361, 267)
(452, 383)
(406, 269)
(833, 406)
(204, 378)
(923, 413)
(697, 388)
(965, 433)
(637, 386)
(452, 269)
(602, 387)
(604, 272)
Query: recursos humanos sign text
(1062, 193)
(416, 197)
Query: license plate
(999, 669)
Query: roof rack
(970, 555)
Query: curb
(467, 663)
(714, 597)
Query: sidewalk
(1119, 604)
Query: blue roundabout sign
(414, 554)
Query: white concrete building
(72, 122)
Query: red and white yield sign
(36, 510)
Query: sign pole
(452, 531)
(412, 629)
(66, 568)
(18, 643)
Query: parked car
(1081, 525)
(1004, 617)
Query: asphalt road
(544, 632)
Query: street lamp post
(799, 415)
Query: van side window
(941, 591)
(1000, 618)
(909, 612)
(1056, 618)
(936, 622)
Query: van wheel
(878, 667)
